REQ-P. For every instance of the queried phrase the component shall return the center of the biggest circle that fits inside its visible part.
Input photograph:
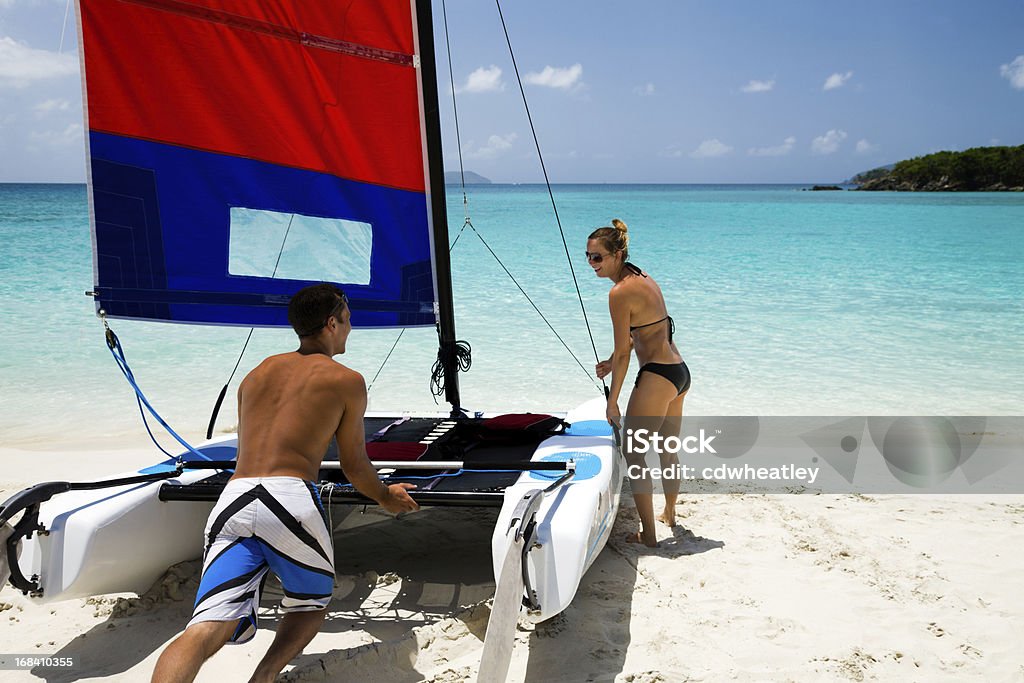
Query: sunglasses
(343, 301)
(594, 257)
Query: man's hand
(396, 499)
(603, 368)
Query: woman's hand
(603, 368)
(612, 414)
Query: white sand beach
(747, 588)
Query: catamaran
(218, 131)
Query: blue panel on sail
(162, 233)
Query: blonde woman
(641, 323)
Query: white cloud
(671, 152)
(21, 65)
(556, 77)
(865, 147)
(1014, 72)
(484, 79)
(829, 142)
(837, 80)
(779, 150)
(759, 86)
(993, 142)
(48, 106)
(645, 90)
(710, 149)
(72, 134)
(496, 144)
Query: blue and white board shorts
(261, 524)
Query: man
(270, 515)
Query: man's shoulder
(316, 365)
(331, 372)
(344, 373)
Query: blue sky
(644, 91)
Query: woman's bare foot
(637, 537)
(667, 517)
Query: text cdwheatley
(723, 472)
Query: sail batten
(204, 111)
(277, 30)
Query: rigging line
(126, 370)
(547, 182)
(465, 200)
(399, 338)
(224, 389)
(280, 252)
(450, 249)
(114, 344)
(461, 230)
(541, 314)
(381, 368)
(455, 109)
(468, 222)
(458, 136)
(63, 27)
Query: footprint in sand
(970, 651)
(645, 677)
(453, 676)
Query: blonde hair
(614, 239)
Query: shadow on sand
(409, 584)
(594, 632)
(392, 576)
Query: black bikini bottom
(677, 373)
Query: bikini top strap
(667, 317)
(635, 269)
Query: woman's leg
(671, 426)
(646, 410)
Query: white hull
(573, 522)
(121, 543)
(123, 539)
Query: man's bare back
(291, 407)
(292, 404)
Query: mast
(438, 210)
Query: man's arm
(352, 451)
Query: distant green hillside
(873, 174)
(980, 169)
(453, 178)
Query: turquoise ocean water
(786, 303)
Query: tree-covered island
(980, 169)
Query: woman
(641, 321)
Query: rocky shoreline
(943, 184)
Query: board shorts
(263, 524)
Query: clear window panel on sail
(320, 249)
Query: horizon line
(519, 183)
